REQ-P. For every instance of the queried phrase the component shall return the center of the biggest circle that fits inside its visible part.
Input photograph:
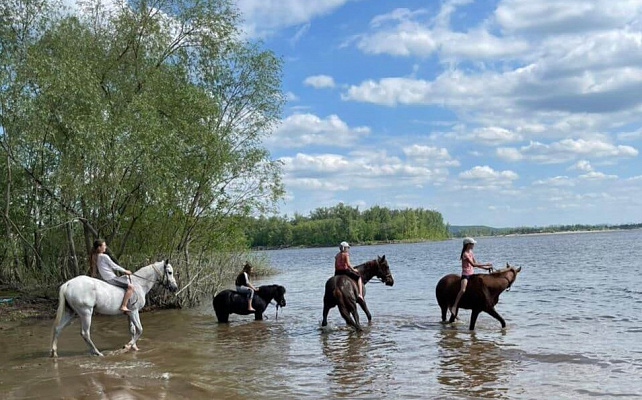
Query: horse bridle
(386, 277)
(510, 283)
(164, 280)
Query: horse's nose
(390, 282)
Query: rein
(157, 272)
(379, 279)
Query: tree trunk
(73, 258)
(12, 274)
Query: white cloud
(565, 16)
(411, 33)
(565, 150)
(486, 173)
(493, 135)
(430, 155)
(315, 184)
(556, 181)
(304, 129)
(263, 17)
(289, 96)
(319, 81)
(358, 170)
(595, 176)
(582, 165)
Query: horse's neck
(266, 293)
(366, 271)
(506, 279)
(146, 277)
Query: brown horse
(342, 291)
(482, 293)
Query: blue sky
(501, 113)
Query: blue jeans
(249, 293)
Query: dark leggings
(349, 273)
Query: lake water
(574, 330)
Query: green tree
(147, 131)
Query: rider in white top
(105, 267)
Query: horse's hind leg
(85, 326)
(65, 318)
(326, 310)
(348, 318)
(364, 307)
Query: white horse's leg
(135, 318)
(85, 321)
(65, 318)
(132, 331)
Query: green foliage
(139, 125)
(330, 226)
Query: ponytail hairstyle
(463, 250)
(247, 267)
(93, 258)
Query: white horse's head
(167, 278)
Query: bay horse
(229, 302)
(342, 291)
(83, 295)
(482, 293)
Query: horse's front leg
(496, 315)
(85, 327)
(364, 307)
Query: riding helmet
(344, 245)
(469, 240)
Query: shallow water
(574, 329)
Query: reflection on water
(360, 363)
(564, 339)
(470, 366)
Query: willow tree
(140, 122)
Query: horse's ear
(166, 261)
(383, 257)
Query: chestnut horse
(482, 293)
(342, 291)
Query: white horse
(82, 295)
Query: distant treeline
(462, 231)
(330, 226)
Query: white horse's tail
(62, 303)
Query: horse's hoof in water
(134, 347)
(127, 347)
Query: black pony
(231, 302)
(341, 290)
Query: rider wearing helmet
(342, 266)
(468, 263)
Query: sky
(500, 113)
